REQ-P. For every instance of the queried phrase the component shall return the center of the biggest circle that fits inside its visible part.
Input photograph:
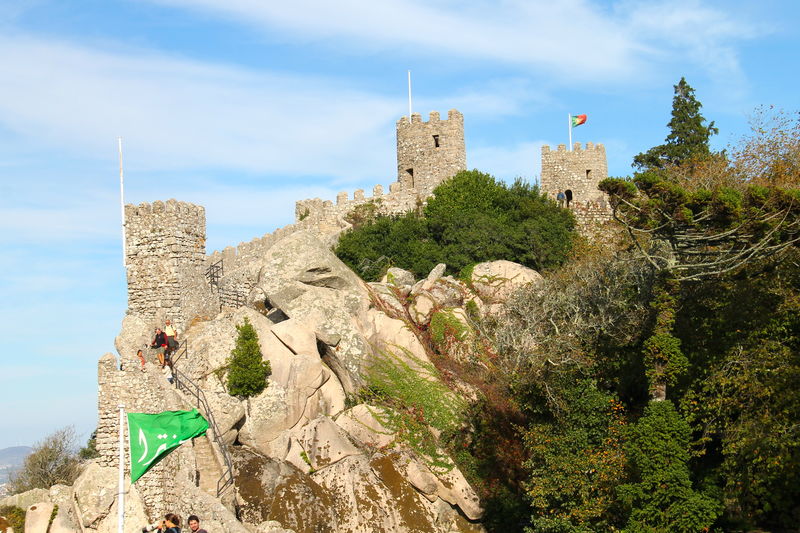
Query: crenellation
(577, 174)
(427, 154)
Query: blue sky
(245, 106)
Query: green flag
(152, 437)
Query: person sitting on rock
(159, 344)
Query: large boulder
(307, 282)
(23, 500)
(371, 494)
(494, 281)
(95, 492)
(325, 443)
(37, 517)
(399, 278)
(135, 514)
(394, 338)
(135, 334)
(363, 424)
(387, 299)
(273, 490)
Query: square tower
(577, 173)
(165, 246)
(429, 152)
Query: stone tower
(165, 246)
(429, 152)
(577, 173)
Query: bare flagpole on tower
(409, 97)
(122, 205)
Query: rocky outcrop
(303, 461)
(494, 281)
(301, 277)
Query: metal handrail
(185, 384)
(182, 349)
(214, 272)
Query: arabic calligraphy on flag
(152, 436)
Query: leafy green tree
(577, 459)
(688, 135)
(472, 217)
(662, 497)
(53, 461)
(247, 370)
(90, 450)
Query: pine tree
(247, 371)
(688, 135)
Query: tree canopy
(470, 218)
(688, 134)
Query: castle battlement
(577, 173)
(576, 147)
(433, 118)
(427, 154)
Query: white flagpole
(569, 125)
(121, 493)
(409, 97)
(122, 205)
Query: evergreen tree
(247, 371)
(688, 135)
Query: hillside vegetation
(649, 383)
(472, 217)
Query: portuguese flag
(152, 437)
(577, 120)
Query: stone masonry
(165, 242)
(427, 154)
(577, 173)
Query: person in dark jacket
(171, 524)
(159, 344)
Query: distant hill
(11, 460)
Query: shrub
(53, 461)
(14, 518)
(247, 371)
(471, 218)
(416, 402)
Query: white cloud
(177, 113)
(569, 37)
(573, 39)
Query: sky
(245, 106)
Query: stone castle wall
(165, 243)
(578, 172)
(132, 388)
(427, 154)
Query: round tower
(429, 152)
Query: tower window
(410, 172)
(588, 173)
(436, 141)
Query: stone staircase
(208, 468)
